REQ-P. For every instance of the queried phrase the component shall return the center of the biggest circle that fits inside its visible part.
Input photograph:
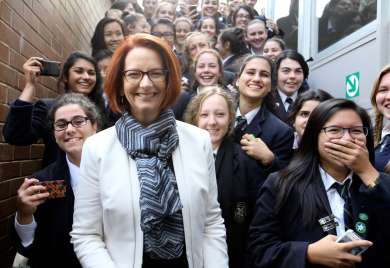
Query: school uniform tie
(241, 124)
(343, 191)
(289, 101)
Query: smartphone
(56, 188)
(349, 236)
(191, 8)
(50, 68)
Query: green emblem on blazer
(363, 216)
(360, 227)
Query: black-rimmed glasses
(77, 122)
(155, 75)
(335, 132)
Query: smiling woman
(43, 221)
(26, 122)
(174, 218)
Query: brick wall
(48, 28)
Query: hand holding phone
(350, 236)
(50, 68)
(55, 188)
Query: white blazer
(106, 226)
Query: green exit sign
(352, 85)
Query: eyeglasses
(77, 122)
(154, 75)
(164, 34)
(335, 132)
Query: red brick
(49, 82)
(21, 152)
(44, 32)
(29, 167)
(17, 60)
(57, 46)
(37, 151)
(7, 207)
(28, 2)
(27, 32)
(4, 53)
(30, 17)
(9, 170)
(28, 50)
(3, 93)
(21, 82)
(41, 91)
(12, 95)
(6, 152)
(1, 133)
(5, 190)
(17, 6)
(7, 75)
(14, 185)
(5, 12)
(3, 112)
(9, 36)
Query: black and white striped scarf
(161, 215)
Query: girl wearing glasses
(42, 224)
(141, 202)
(242, 16)
(26, 122)
(299, 210)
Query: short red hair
(113, 85)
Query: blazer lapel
(255, 127)
(327, 211)
(360, 213)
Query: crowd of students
(253, 183)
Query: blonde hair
(191, 35)
(191, 115)
(378, 115)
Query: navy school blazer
(280, 239)
(277, 135)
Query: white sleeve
(214, 242)
(25, 231)
(87, 234)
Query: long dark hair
(97, 40)
(302, 176)
(96, 94)
(268, 100)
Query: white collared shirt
(283, 97)
(249, 116)
(227, 58)
(335, 200)
(74, 172)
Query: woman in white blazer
(147, 196)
